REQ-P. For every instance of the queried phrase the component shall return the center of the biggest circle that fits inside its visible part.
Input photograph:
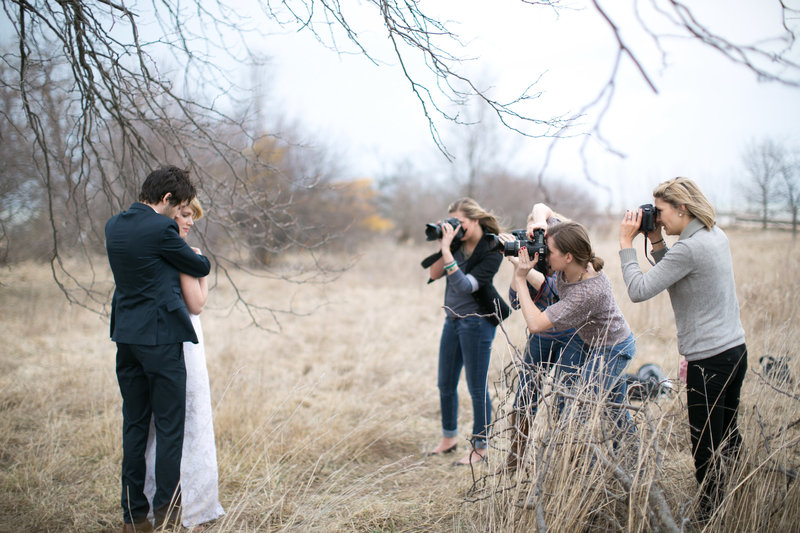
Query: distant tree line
(96, 93)
(771, 180)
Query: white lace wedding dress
(199, 491)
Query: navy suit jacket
(147, 254)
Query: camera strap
(540, 291)
(546, 284)
(431, 259)
(645, 252)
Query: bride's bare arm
(195, 292)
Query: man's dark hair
(169, 179)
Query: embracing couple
(169, 463)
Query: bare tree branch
(109, 90)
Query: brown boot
(519, 440)
(137, 527)
(168, 518)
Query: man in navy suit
(149, 323)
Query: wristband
(451, 265)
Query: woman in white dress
(199, 491)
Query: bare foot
(475, 455)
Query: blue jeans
(604, 371)
(542, 354)
(466, 342)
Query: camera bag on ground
(776, 369)
(649, 382)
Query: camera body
(434, 231)
(648, 222)
(536, 244)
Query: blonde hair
(560, 217)
(572, 238)
(684, 192)
(197, 209)
(473, 211)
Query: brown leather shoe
(167, 518)
(137, 527)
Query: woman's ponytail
(597, 262)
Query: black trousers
(713, 387)
(152, 381)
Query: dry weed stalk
(579, 471)
(578, 468)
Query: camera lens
(511, 249)
(433, 232)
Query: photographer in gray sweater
(697, 272)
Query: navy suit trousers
(152, 380)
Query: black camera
(536, 244)
(649, 214)
(434, 231)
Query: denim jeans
(466, 342)
(604, 371)
(543, 353)
(713, 386)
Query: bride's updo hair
(572, 238)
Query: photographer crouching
(470, 303)
(586, 303)
(697, 272)
(561, 349)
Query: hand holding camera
(647, 215)
(629, 228)
(649, 223)
(511, 244)
(502, 240)
(642, 220)
(449, 231)
(451, 234)
(436, 231)
(525, 263)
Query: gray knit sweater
(698, 274)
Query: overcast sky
(705, 113)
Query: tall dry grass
(322, 427)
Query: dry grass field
(322, 426)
